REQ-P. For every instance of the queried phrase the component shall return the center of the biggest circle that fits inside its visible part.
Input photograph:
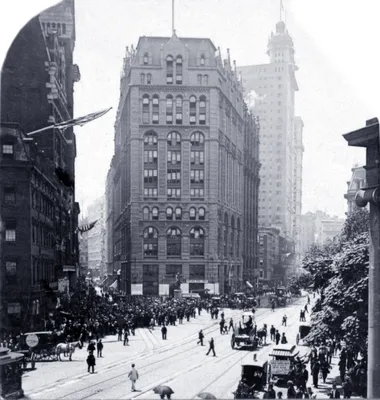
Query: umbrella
(206, 396)
(163, 390)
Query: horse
(262, 335)
(67, 349)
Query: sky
(336, 52)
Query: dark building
(176, 184)
(39, 246)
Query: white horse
(67, 349)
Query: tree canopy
(339, 270)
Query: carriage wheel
(233, 343)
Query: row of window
(151, 110)
(174, 157)
(42, 235)
(173, 242)
(169, 58)
(43, 204)
(174, 193)
(196, 272)
(174, 213)
(173, 176)
(174, 139)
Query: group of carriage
(41, 346)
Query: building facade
(175, 187)
(39, 249)
(272, 86)
(357, 182)
(83, 249)
(96, 239)
(308, 232)
(269, 255)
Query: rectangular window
(174, 157)
(174, 193)
(10, 235)
(150, 176)
(173, 270)
(197, 193)
(174, 176)
(197, 272)
(9, 195)
(150, 192)
(197, 157)
(7, 150)
(150, 156)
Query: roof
(254, 363)
(283, 353)
(185, 40)
(285, 350)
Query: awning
(114, 285)
(249, 284)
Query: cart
(303, 331)
(244, 334)
(283, 360)
(253, 379)
(38, 346)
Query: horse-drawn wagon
(244, 333)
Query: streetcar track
(142, 356)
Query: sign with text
(280, 367)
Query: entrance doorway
(150, 280)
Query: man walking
(200, 337)
(133, 376)
(99, 348)
(211, 348)
(272, 333)
(278, 337)
(164, 331)
(126, 340)
(231, 325)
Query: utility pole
(368, 137)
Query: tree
(340, 271)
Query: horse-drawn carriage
(44, 346)
(254, 376)
(244, 333)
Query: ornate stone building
(175, 190)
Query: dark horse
(262, 335)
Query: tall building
(109, 215)
(39, 248)
(308, 232)
(96, 246)
(269, 255)
(272, 86)
(357, 182)
(175, 187)
(83, 249)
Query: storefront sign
(280, 367)
(197, 281)
(32, 340)
(69, 268)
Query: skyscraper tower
(273, 87)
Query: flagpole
(173, 31)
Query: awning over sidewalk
(249, 284)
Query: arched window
(146, 213)
(169, 213)
(205, 79)
(193, 110)
(197, 139)
(146, 59)
(178, 71)
(201, 213)
(155, 213)
(174, 139)
(178, 110)
(173, 242)
(145, 109)
(150, 242)
(155, 109)
(169, 70)
(149, 79)
(169, 109)
(199, 79)
(232, 241)
(150, 139)
(225, 250)
(178, 213)
(238, 238)
(142, 79)
(203, 60)
(192, 213)
(202, 110)
(197, 242)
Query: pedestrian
(334, 394)
(306, 309)
(119, 334)
(126, 340)
(291, 393)
(347, 388)
(91, 347)
(211, 347)
(279, 395)
(91, 362)
(99, 348)
(164, 331)
(325, 368)
(272, 333)
(304, 376)
(278, 337)
(221, 324)
(284, 319)
(133, 376)
(270, 393)
(200, 337)
(315, 372)
(283, 339)
(273, 305)
(231, 325)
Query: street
(178, 362)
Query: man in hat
(133, 376)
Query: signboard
(69, 268)
(197, 281)
(32, 340)
(280, 367)
(63, 285)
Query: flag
(87, 227)
(73, 122)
